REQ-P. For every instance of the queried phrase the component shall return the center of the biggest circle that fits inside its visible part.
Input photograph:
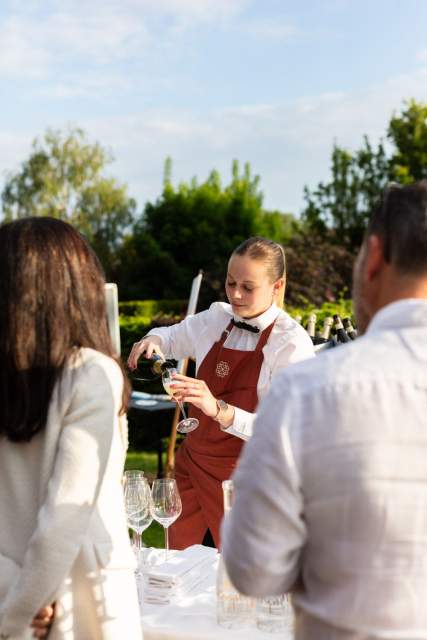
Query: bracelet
(217, 413)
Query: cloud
(270, 29)
(38, 36)
(19, 54)
(288, 144)
(421, 56)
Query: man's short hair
(400, 219)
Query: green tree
(64, 178)
(343, 205)
(191, 227)
(408, 134)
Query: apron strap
(226, 333)
(264, 337)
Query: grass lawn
(147, 462)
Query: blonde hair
(272, 254)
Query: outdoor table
(193, 617)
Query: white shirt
(195, 335)
(332, 487)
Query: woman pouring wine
(237, 347)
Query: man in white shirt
(331, 491)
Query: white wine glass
(131, 474)
(139, 508)
(167, 505)
(188, 424)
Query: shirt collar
(262, 321)
(403, 313)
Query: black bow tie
(245, 325)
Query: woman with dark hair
(238, 347)
(63, 439)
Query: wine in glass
(188, 424)
(167, 505)
(139, 507)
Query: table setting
(187, 595)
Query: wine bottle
(340, 332)
(325, 334)
(152, 368)
(233, 609)
(351, 331)
(311, 326)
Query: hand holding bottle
(146, 346)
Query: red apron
(208, 455)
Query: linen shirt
(331, 491)
(195, 335)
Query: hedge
(139, 316)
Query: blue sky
(271, 82)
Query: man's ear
(374, 261)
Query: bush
(342, 307)
(150, 308)
(139, 316)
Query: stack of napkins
(183, 571)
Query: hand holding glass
(167, 505)
(188, 424)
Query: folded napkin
(184, 570)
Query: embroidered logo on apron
(222, 369)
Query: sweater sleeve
(83, 451)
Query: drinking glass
(166, 505)
(274, 614)
(139, 507)
(132, 474)
(188, 424)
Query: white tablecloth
(194, 618)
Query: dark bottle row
(334, 330)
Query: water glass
(274, 614)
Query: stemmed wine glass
(131, 474)
(188, 424)
(166, 505)
(139, 507)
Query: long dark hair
(52, 302)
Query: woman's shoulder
(94, 365)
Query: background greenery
(154, 252)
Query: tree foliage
(195, 226)
(408, 134)
(344, 204)
(63, 177)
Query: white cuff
(242, 424)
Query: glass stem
(166, 543)
(137, 537)
(181, 406)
